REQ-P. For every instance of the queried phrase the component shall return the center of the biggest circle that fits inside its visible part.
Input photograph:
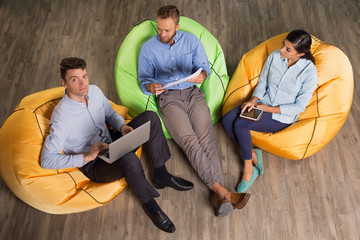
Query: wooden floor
(316, 198)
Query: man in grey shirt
(78, 127)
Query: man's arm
(200, 60)
(51, 155)
(94, 152)
(200, 78)
(146, 74)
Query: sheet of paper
(184, 79)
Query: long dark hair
(302, 43)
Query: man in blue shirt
(170, 56)
(78, 127)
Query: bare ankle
(254, 158)
(220, 191)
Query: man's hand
(155, 88)
(94, 151)
(125, 129)
(199, 78)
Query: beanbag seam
(316, 119)
(81, 189)
(239, 88)
(222, 84)
(37, 121)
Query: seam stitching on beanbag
(81, 189)
(222, 84)
(313, 132)
(239, 88)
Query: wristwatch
(205, 73)
(148, 87)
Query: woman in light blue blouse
(286, 84)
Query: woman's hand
(249, 104)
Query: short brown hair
(169, 11)
(71, 63)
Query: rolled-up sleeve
(200, 59)
(146, 71)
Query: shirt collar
(176, 37)
(75, 103)
(300, 63)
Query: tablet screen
(254, 114)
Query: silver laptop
(127, 143)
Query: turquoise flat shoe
(259, 165)
(244, 185)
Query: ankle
(152, 206)
(222, 192)
(228, 196)
(248, 164)
(161, 174)
(254, 157)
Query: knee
(131, 163)
(228, 121)
(153, 117)
(229, 118)
(188, 142)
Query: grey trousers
(187, 118)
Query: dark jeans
(239, 129)
(129, 166)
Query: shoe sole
(224, 209)
(242, 204)
(176, 188)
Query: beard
(168, 40)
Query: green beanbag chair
(126, 69)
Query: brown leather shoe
(239, 200)
(222, 206)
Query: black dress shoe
(175, 183)
(161, 221)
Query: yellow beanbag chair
(325, 113)
(53, 191)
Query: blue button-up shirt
(75, 127)
(290, 88)
(163, 63)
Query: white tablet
(253, 115)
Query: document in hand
(184, 79)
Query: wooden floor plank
(316, 198)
